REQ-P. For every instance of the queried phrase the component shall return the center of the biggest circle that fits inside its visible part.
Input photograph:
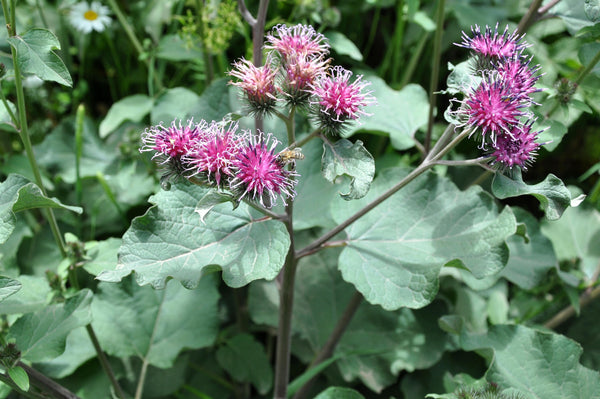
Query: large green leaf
(133, 108)
(342, 45)
(350, 160)
(245, 360)
(530, 261)
(19, 194)
(576, 236)
(395, 252)
(32, 297)
(308, 212)
(174, 48)
(573, 14)
(41, 336)
(177, 103)
(78, 350)
(155, 325)
(35, 55)
(541, 364)
(377, 344)
(57, 153)
(397, 113)
(214, 103)
(552, 193)
(170, 240)
(339, 393)
(8, 287)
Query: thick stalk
(286, 293)
(92, 334)
(206, 56)
(569, 311)
(286, 303)
(333, 340)
(24, 133)
(435, 70)
(530, 16)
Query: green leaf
(133, 108)
(395, 252)
(245, 360)
(31, 297)
(587, 52)
(398, 114)
(343, 46)
(6, 122)
(211, 199)
(592, 10)
(42, 335)
(174, 48)
(8, 287)
(543, 365)
(377, 345)
(352, 160)
(171, 241)
(56, 152)
(575, 237)
(214, 103)
(102, 255)
(497, 307)
(35, 55)
(339, 393)
(19, 377)
(19, 194)
(178, 103)
(552, 133)
(529, 262)
(155, 325)
(78, 350)
(573, 14)
(308, 212)
(553, 195)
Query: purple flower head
(296, 40)
(518, 75)
(492, 107)
(339, 100)
(492, 44)
(517, 148)
(257, 84)
(301, 72)
(172, 144)
(173, 141)
(259, 174)
(214, 155)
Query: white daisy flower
(86, 17)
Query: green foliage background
(462, 273)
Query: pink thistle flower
(492, 44)
(174, 141)
(338, 100)
(296, 40)
(492, 107)
(214, 155)
(259, 174)
(518, 75)
(517, 148)
(257, 84)
(171, 145)
(301, 73)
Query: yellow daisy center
(90, 15)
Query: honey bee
(289, 156)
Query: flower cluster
(497, 107)
(218, 155)
(297, 73)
